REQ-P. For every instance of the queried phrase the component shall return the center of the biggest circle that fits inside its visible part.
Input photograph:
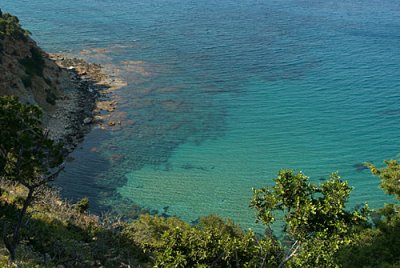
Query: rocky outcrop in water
(66, 89)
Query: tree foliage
(27, 156)
(10, 27)
(314, 217)
(390, 177)
(318, 229)
(378, 245)
(213, 242)
(316, 225)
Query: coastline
(77, 110)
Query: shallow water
(223, 94)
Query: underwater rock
(87, 120)
(117, 157)
(360, 166)
(190, 166)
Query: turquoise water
(223, 94)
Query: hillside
(27, 71)
(65, 89)
(315, 226)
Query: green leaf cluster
(10, 27)
(390, 177)
(318, 229)
(378, 245)
(82, 205)
(213, 242)
(27, 155)
(314, 217)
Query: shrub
(314, 217)
(214, 242)
(82, 205)
(28, 158)
(50, 97)
(26, 80)
(378, 246)
(10, 27)
(34, 65)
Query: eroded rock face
(66, 98)
(67, 89)
(27, 72)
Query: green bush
(26, 80)
(378, 245)
(34, 65)
(213, 242)
(82, 205)
(10, 27)
(50, 97)
(315, 220)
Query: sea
(221, 95)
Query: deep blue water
(223, 94)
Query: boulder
(87, 120)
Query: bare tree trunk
(237, 259)
(297, 246)
(11, 244)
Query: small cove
(221, 96)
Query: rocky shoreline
(75, 111)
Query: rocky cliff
(66, 89)
(25, 70)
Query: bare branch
(296, 246)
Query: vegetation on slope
(40, 230)
(27, 157)
(316, 222)
(10, 27)
(378, 245)
(320, 231)
(26, 70)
